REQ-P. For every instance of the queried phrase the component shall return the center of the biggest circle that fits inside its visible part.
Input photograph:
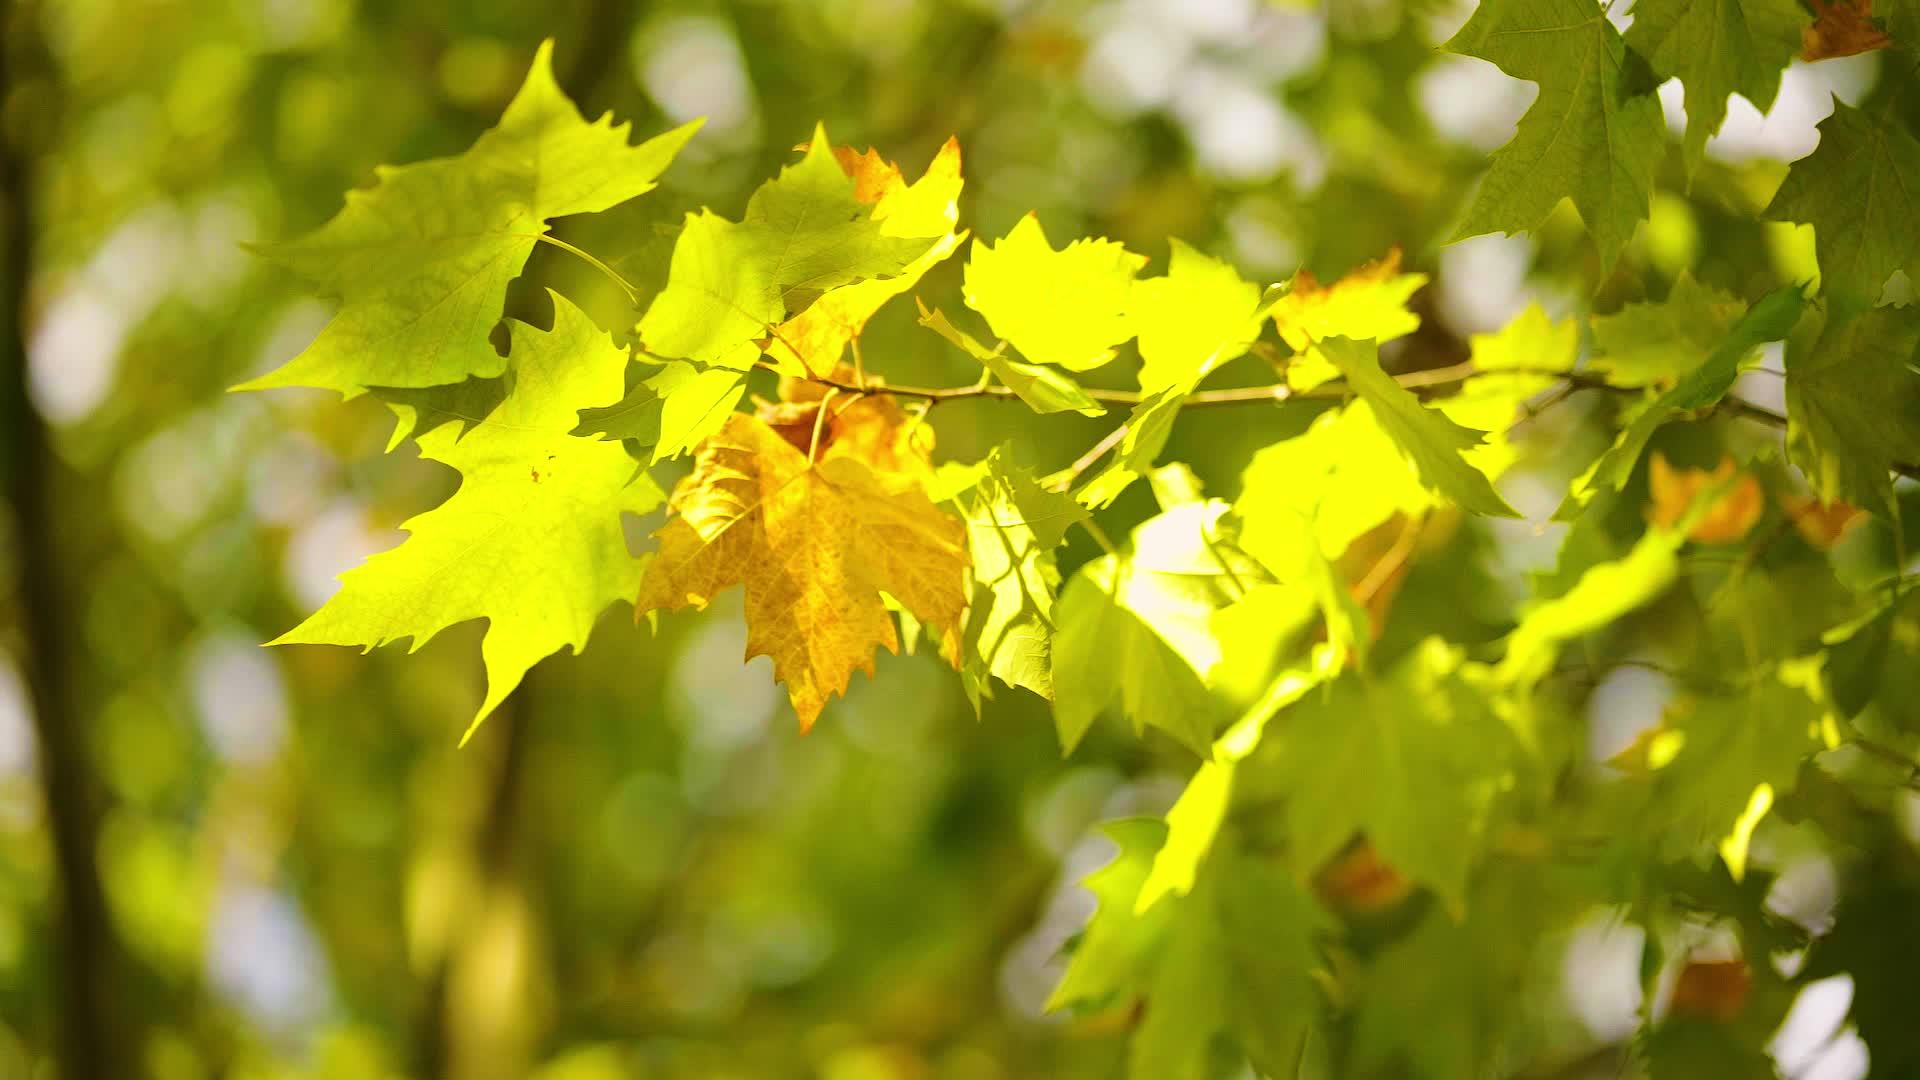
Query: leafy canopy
(1396, 802)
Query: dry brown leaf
(1730, 518)
(1841, 28)
(814, 544)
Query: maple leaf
(1013, 527)
(1368, 303)
(1496, 397)
(814, 544)
(1857, 191)
(1841, 28)
(532, 540)
(813, 341)
(1657, 342)
(670, 411)
(804, 234)
(421, 261)
(1134, 630)
(1190, 321)
(1771, 318)
(1430, 439)
(1021, 285)
(1717, 48)
(1594, 135)
(1852, 397)
(1726, 520)
(1197, 317)
(1236, 957)
(1821, 524)
(1412, 760)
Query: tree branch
(94, 1032)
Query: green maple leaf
(1852, 402)
(420, 262)
(1858, 191)
(1044, 389)
(804, 232)
(1770, 319)
(1658, 342)
(1874, 663)
(1413, 761)
(1197, 317)
(1730, 756)
(1021, 285)
(1236, 958)
(1604, 593)
(1594, 135)
(670, 411)
(532, 540)
(1430, 440)
(1013, 527)
(1134, 630)
(1446, 997)
(1717, 48)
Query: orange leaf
(1730, 518)
(1712, 989)
(1822, 524)
(1360, 882)
(814, 543)
(1841, 28)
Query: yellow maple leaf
(1841, 28)
(812, 341)
(1368, 303)
(814, 543)
(1731, 516)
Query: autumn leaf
(1731, 516)
(814, 543)
(1360, 882)
(1712, 989)
(871, 427)
(1821, 524)
(1841, 28)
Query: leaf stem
(819, 424)
(633, 294)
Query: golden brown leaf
(871, 427)
(1841, 28)
(814, 544)
(1730, 518)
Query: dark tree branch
(94, 1032)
